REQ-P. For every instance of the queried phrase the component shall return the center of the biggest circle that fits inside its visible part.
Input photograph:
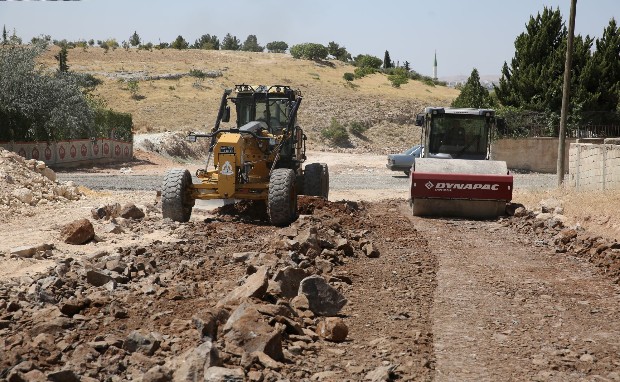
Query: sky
(465, 34)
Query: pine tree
(179, 43)
(407, 66)
(134, 40)
(607, 59)
(61, 57)
(4, 35)
(534, 78)
(473, 94)
(208, 42)
(251, 44)
(230, 42)
(387, 62)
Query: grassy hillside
(189, 103)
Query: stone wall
(531, 154)
(595, 166)
(72, 153)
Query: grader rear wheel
(316, 180)
(282, 198)
(176, 200)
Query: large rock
(157, 374)
(130, 211)
(309, 242)
(323, 299)
(30, 250)
(222, 374)
(332, 329)
(254, 286)
(247, 331)
(289, 279)
(24, 195)
(138, 342)
(77, 232)
(106, 211)
(191, 365)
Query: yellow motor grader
(259, 159)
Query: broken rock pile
(224, 301)
(25, 183)
(549, 225)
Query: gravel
(371, 180)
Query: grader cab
(259, 159)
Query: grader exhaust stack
(454, 176)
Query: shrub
(134, 88)
(364, 71)
(336, 133)
(366, 60)
(428, 81)
(197, 73)
(349, 76)
(357, 128)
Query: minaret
(435, 67)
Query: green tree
(61, 57)
(398, 77)
(134, 40)
(604, 75)
(230, 42)
(251, 44)
(38, 106)
(473, 94)
(277, 47)
(208, 42)
(338, 52)
(366, 60)
(407, 66)
(179, 43)
(387, 62)
(309, 51)
(534, 78)
(4, 35)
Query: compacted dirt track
(507, 307)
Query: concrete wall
(532, 154)
(74, 152)
(595, 166)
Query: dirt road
(437, 299)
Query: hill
(172, 100)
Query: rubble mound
(225, 299)
(27, 183)
(548, 224)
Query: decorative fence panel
(73, 152)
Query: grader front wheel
(176, 200)
(282, 199)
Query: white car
(404, 161)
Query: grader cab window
(274, 112)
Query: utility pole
(566, 91)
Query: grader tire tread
(175, 201)
(282, 199)
(316, 180)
